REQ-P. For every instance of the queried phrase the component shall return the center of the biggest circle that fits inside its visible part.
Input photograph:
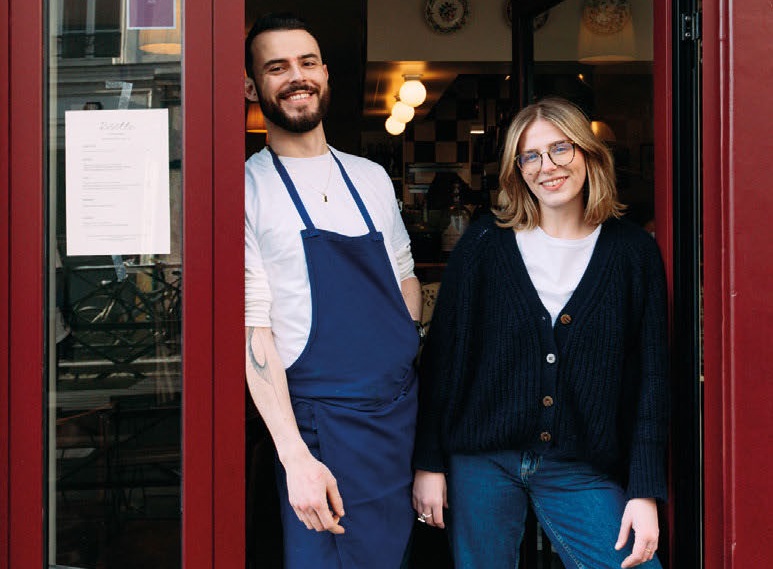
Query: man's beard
(298, 124)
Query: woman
(544, 376)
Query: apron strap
(288, 182)
(355, 195)
(310, 228)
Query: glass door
(115, 279)
(123, 284)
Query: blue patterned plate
(446, 16)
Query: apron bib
(353, 390)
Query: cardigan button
(566, 319)
(547, 401)
(550, 358)
(545, 437)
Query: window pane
(114, 372)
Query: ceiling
(372, 89)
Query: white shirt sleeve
(401, 241)
(404, 262)
(257, 298)
(257, 294)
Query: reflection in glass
(614, 86)
(114, 366)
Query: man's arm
(313, 491)
(411, 289)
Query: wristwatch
(420, 330)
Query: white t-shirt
(277, 292)
(555, 265)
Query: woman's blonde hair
(519, 207)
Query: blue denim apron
(353, 390)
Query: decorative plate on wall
(446, 16)
(605, 17)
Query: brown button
(566, 319)
(545, 437)
(547, 401)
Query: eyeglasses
(560, 153)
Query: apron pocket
(306, 419)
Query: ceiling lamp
(606, 32)
(603, 131)
(256, 122)
(413, 92)
(162, 40)
(394, 126)
(402, 112)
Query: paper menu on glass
(117, 182)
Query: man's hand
(641, 515)
(312, 489)
(429, 497)
(313, 493)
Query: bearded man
(332, 306)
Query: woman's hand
(641, 515)
(429, 497)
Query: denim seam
(559, 539)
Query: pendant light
(413, 92)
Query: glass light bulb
(413, 93)
(394, 126)
(402, 112)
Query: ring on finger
(424, 517)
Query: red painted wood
(25, 254)
(21, 389)
(716, 348)
(663, 114)
(718, 456)
(229, 433)
(4, 283)
(664, 176)
(751, 272)
(739, 277)
(198, 307)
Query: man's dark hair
(268, 23)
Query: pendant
(324, 198)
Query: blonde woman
(544, 377)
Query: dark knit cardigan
(493, 356)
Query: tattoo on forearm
(262, 370)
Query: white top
(555, 265)
(277, 292)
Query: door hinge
(691, 26)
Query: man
(331, 305)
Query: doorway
(559, 51)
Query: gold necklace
(329, 175)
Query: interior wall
(557, 39)
(397, 31)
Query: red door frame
(213, 405)
(5, 183)
(25, 264)
(213, 172)
(664, 174)
(738, 244)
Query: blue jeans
(579, 508)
